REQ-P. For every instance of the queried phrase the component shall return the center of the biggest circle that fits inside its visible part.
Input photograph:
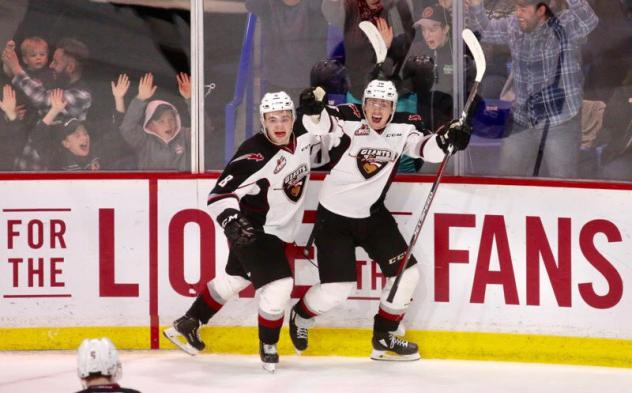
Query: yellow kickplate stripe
(350, 342)
(132, 337)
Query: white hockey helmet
(276, 101)
(98, 356)
(383, 90)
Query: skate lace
(301, 333)
(398, 342)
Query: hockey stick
(376, 40)
(479, 59)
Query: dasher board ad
(493, 258)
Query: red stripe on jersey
(421, 149)
(215, 198)
(269, 323)
(208, 299)
(306, 311)
(389, 316)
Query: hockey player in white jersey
(258, 201)
(366, 144)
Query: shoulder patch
(250, 156)
(350, 111)
(414, 117)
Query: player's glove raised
(312, 101)
(237, 228)
(453, 134)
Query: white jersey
(364, 162)
(266, 183)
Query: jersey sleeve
(238, 180)
(421, 142)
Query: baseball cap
(433, 13)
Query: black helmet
(331, 75)
(420, 70)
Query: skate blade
(172, 335)
(298, 352)
(269, 367)
(393, 357)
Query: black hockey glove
(312, 101)
(238, 230)
(453, 134)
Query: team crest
(280, 164)
(294, 183)
(372, 161)
(363, 130)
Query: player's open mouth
(376, 119)
(279, 134)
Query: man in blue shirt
(546, 66)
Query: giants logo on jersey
(371, 161)
(294, 183)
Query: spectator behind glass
(154, 129)
(359, 55)
(617, 122)
(294, 37)
(99, 367)
(545, 52)
(34, 51)
(69, 60)
(66, 146)
(12, 130)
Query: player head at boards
(378, 103)
(277, 117)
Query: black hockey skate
(299, 334)
(387, 346)
(186, 327)
(269, 356)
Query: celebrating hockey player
(258, 201)
(368, 143)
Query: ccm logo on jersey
(250, 156)
(371, 161)
(280, 164)
(294, 183)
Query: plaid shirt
(535, 56)
(79, 99)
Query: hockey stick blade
(475, 48)
(481, 65)
(376, 40)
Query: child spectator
(154, 129)
(34, 52)
(68, 64)
(64, 147)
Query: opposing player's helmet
(277, 101)
(331, 75)
(420, 70)
(98, 356)
(383, 90)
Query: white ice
(171, 371)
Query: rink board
(515, 270)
